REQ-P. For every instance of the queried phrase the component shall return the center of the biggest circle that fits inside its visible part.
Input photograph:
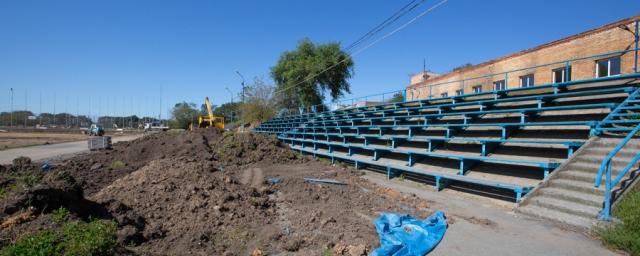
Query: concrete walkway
(39, 153)
(487, 227)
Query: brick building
(600, 52)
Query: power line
(367, 46)
(393, 18)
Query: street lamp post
(242, 97)
(11, 121)
(230, 94)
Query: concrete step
(593, 167)
(574, 196)
(578, 186)
(566, 206)
(577, 175)
(598, 156)
(556, 216)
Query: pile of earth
(208, 192)
(213, 146)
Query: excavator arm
(210, 120)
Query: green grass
(76, 238)
(117, 165)
(41, 243)
(60, 215)
(402, 177)
(7, 190)
(326, 252)
(93, 238)
(626, 235)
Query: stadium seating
(499, 144)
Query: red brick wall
(608, 38)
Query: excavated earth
(206, 192)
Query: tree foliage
(230, 112)
(183, 114)
(397, 97)
(304, 75)
(463, 66)
(259, 103)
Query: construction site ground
(210, 192)
(23, 139)
(46, 151)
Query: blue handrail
(605, 168)
(403, 92)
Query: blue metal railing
(606, 169)
(384, 98)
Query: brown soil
(210, 193)
(22, 139)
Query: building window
(608, 67)
(559, 76)
(499, 85)
(444, 95)
(459, 92)
(477, 89)
(526, 81)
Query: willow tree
(304, 76)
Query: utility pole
(160, 113)
(230, 94)
(66, 111)
(40, 111)
(54, 109)
(11, 121)
(242, 98)
(26, 93)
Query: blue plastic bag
(405, 235)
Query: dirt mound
(55, 189)
(190, 206)
(237, 149)
(21, 163)
(224, 149)
(210, 192)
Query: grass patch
(76, 238)
(625, 235)
(60, 215)
(41, 243)
(7, 190)
(326, 252)
(93, 238)
(402, 177)
(117, 165)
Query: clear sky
(124, 54)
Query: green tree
(304, 75)
(259, 104)
(463, 66)
(183, 114)
(397, 97)
(230, 112)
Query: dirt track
(22, 139)
(209, 193)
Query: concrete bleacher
(500, 144)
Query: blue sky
(125, 54)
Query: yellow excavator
(210, 120)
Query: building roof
(542, 46)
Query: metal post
(607, 193)
(242, 98)
(635, 66)
(566, 72)
(11, 120)
(26, 93)
(230, 94)
(506, 80)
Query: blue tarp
(405, 235)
